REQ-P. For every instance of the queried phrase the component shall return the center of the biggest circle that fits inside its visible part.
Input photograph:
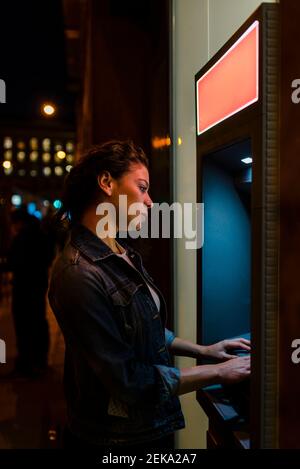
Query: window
(21, 155)
(70, 147)
(46, 144)
(58, 147)
(7, 143)
(58, 170)
(21, 145)
(70, 158)
(34, 143)
(8, 155)
(8, 169)
(47, 171)
(33, 156)
(46, 157)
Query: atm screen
(226, 253)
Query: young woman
(121, 388)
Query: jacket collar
(92, 246)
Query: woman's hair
(81, 184)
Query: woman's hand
(229, 372)
(234, 371)
(221, 350)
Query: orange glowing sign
(231, 84)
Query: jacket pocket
(128, 323)
(125, 312)
(122, 295)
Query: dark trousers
(72, 442)
(31, 327)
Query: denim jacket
(120, 385)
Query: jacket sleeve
(85, 315)
(169, 337)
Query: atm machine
(237, 268)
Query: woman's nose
(148, 202)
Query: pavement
(32, 411)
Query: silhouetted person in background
(29, 259)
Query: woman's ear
(105, 182)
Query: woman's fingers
(239, 343)
(227, 356)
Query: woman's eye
(143, 189)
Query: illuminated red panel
(231, 84)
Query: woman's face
(135, 185)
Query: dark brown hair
(81, 186)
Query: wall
(199, 29)
(125, 95)
(289, 318)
